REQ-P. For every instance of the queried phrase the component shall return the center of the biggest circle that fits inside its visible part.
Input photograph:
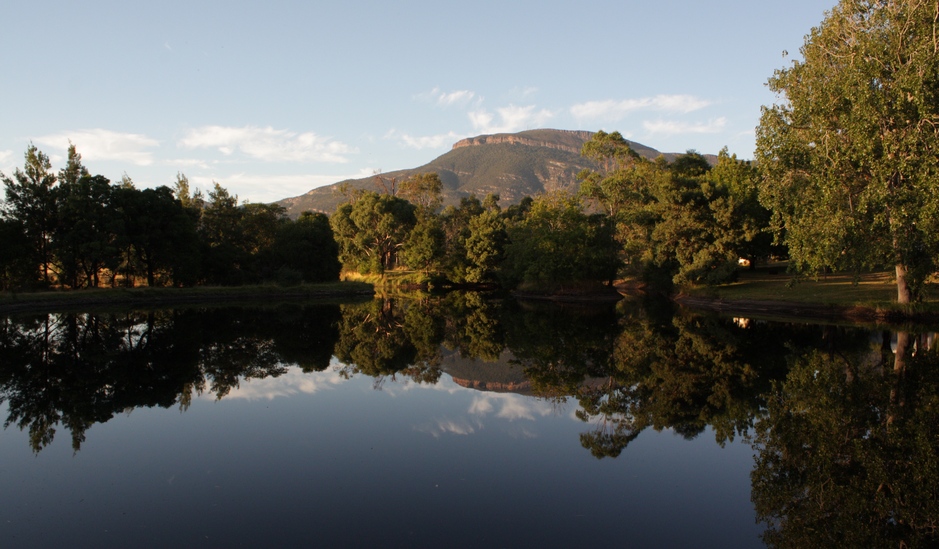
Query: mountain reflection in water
(843, 421)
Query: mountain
(504, 375)
(512, 165)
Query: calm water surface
(457, 422)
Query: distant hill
(512, 165)
(502, 376)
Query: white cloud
(438, 141)
(6, 159)
(671, 127)
(267, 188)
(448, 99)
(187, 163)
(267, 144)
(460, 97)
(511, 119)
(523, 92)
(616, 110)
(100, 144)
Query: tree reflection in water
(848, 449)
(844, 428)
(76, 370)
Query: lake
(463, 421)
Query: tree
(702, 226)
(624, 187)
(558, 245)
(307, 245)
(849, 154)
(455, 222)
(15, 268)
(259, 225)
(222, 237)
(30, 201)
(158, 234)
(372, 230)
(85, 235)
(741, 179)
(423, 249)
(485, 246)
(423, 190)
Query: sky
(271, 99)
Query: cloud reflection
(446, 426)
(482, 409)
(294, 382)
(509, 406)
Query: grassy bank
(104, 297)
(871, 296)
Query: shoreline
(795, 310)
(51, 301)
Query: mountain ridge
(512, 165)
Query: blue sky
(271, 99)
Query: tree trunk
(897, 399)
(904, 294)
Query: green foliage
(30, 201)
(308, 247)
(557, 244)
(371, 230)
(85, 237)
(78, 228)
(473, 240)
(423, 249)
(158, 236)
(423, 190)
(221, 236)
(485, 246)
(676, 222)
(741, 180)
(697, 235)
(848, 155)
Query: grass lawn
(772, 283)
(769, 291)
(875, 291)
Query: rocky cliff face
(564, 140)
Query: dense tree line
(683, 221)
(73, 229)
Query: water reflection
(76, 370)
(844, 421)
(848, 448)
